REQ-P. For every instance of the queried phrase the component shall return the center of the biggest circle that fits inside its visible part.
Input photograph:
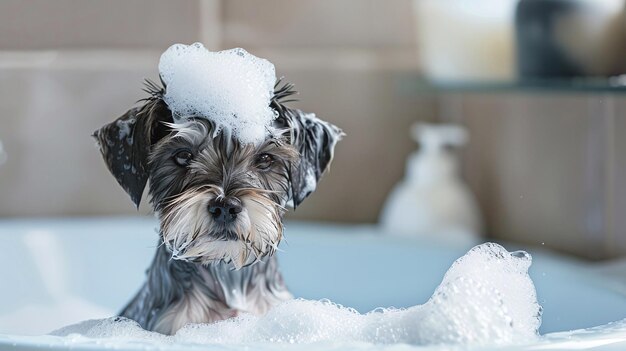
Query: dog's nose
(224, 210)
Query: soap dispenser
(432, 200)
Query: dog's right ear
(126, 143)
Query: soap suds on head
(231, 88)
(486, 298)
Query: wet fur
(203, 270)
(221, 168)
(178, 292)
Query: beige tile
(537, 163)
(47, 117)
(88, 24)
(325, 23)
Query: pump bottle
(433, 199)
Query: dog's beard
(191, 234)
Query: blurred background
(536, 85)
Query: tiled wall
(70, 66)
(96, 24)
(324, 24)
(547, 168)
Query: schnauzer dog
(219, 202)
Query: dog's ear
(315, 140)
(126, 142)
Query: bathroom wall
(70, 66)
(546, 167)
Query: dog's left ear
(126, 143)
(315, 140)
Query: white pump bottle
(433, 200)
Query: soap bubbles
(485, 298)
(232, 88)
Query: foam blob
(486, 298)
(232, 88)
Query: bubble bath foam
(486, 300)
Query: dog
(219, 202)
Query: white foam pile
(486, 298)
(232, 88)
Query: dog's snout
(224, 210)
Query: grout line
(351, 59)
(79, 59)
(609, 112)
(596, 192)
(285, 59)
(211, 24)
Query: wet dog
(219, 202)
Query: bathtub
(55, 272)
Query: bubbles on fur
(232, 88)
(486, 298)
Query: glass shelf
(418, 84)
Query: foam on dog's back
(232, 88)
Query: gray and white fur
(220, 205)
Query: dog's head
(217, 198)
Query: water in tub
(486, 299)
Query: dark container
(539, 53)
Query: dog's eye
(183, 157)
(264, 161)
